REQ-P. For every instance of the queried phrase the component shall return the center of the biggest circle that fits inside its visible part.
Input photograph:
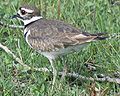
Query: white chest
(26, 34)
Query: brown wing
(54, 35)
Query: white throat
(32, 19)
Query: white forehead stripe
(19, 12)
(27, 10)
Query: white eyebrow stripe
(27, 10)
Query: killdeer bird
(52, 38)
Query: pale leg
(54, 72)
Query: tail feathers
(103, 36)
(98, 36)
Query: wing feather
(54, 35)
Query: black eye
(23, 12)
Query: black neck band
(29, 23)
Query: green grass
(90, 15)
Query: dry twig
(11, 26)
(104, 79)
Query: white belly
(53, 55)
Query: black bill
(16, 16)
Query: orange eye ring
(23, 12)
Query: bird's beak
(15, 16)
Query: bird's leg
(64, 63)
(54, 72)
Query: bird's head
(27, 14)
